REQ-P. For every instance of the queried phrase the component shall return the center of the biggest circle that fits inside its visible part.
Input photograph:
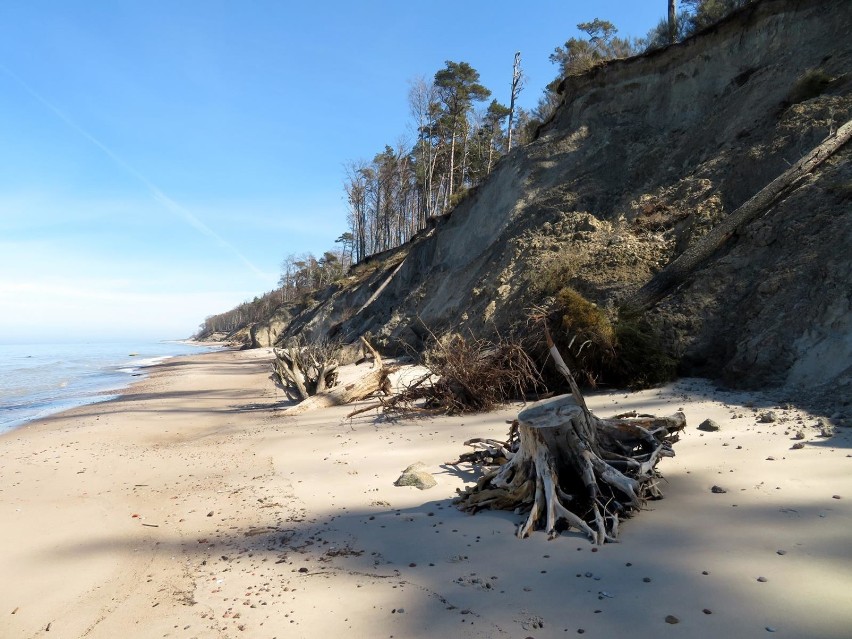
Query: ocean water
(37, 380)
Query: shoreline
(110, 383)
(187, 508)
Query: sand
(190, 508)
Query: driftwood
(686, 263)
(303, 372)
(374, 381)
(570, 469)
(465, 375)
(567, 468)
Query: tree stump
(569, 468)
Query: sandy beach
(190, 507)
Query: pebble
(798, 446)
(718, 490)
(647, 580)
(707, 611)
(709, 426)
(835, 497)
(770, 629)
(768, 417)
(672, 619)
(762, 580)
(781, 552)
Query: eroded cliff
(642, 158)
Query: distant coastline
(40, 380)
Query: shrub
(554, 272)
(584, 320)
(625, 351)
(641, 359)
(809, 85)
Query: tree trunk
(685, 264)
(570, 469)
(672, 21)
(375, 380)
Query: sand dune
(188, 508)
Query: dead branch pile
(466, 376)
(474, 375)
(305, 369)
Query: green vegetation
(392, 196)
(554, 272)
(584, 321)
(642, 360)
(809, 85)
(247, 313)
(625, 351)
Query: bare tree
(672, 21)
(517, 86)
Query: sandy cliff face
(642, 158)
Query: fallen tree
(377, 379)
(303, 370)
(688, 262)
(566, 468)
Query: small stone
(718, 490)
(797, 446)
(707, 611)
(704, 572)
(800, 434)
(303, 569)
(768, 417)
(415, 475)
(762, 580)
(672, 619)
(647, 580)
(781, 552)
(709, 426)
(836, 497)
(770, 629)
(770, 458)
(210, 514)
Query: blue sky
(159, 159)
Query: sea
(37, 380)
